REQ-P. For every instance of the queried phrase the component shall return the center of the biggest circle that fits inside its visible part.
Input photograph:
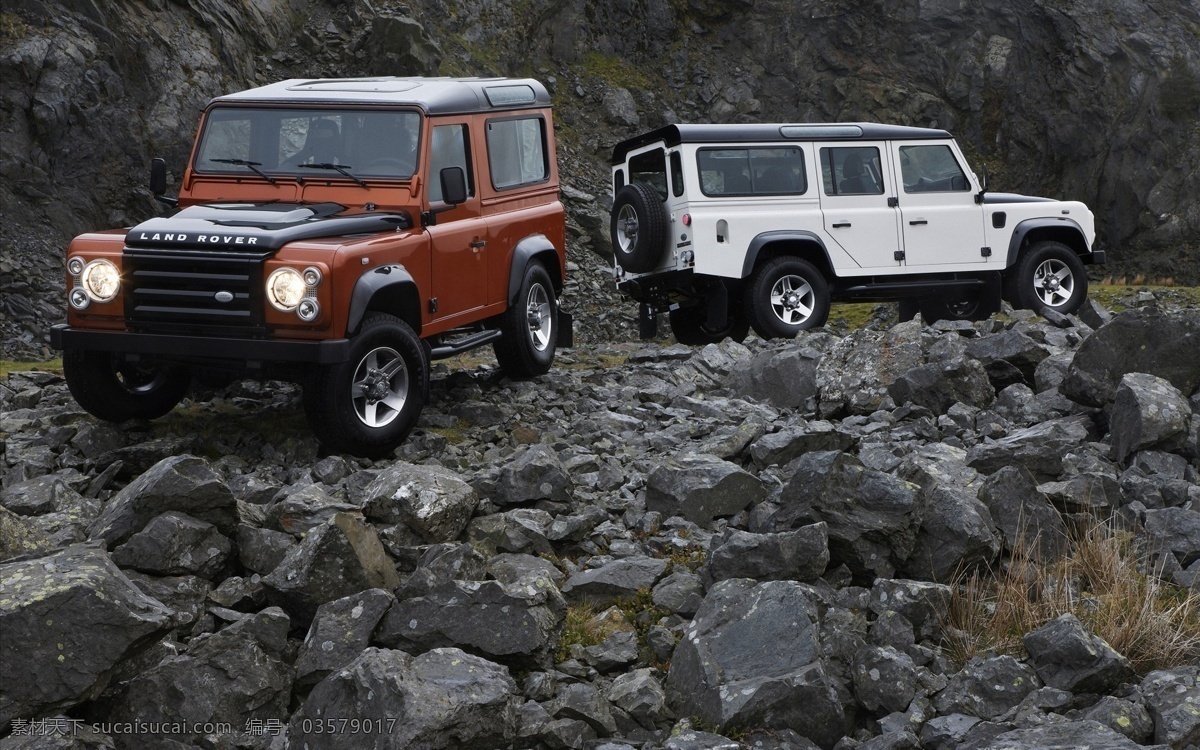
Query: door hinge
(433, 304)
(985, 252)
(898, 255)
(893, 202)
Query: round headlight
(308, 310)
(285, 289)
(101, 280)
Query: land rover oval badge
(224, 296)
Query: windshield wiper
(343, 168)
(253, 165)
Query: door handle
(915, 222)
(478, 243)
(841, 224)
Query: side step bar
(895, 289)
(464, 344)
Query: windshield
(274, 142)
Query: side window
(517, 152)
(650, 168)
(931, 169)
(676, 174)
(852, 170)
(450, 147)
(752, 171)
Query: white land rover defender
(725, 227)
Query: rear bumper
(196, 347)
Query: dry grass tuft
(1153, 624)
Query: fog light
(308, 310)
(312, 276)
(75, 266)
(285, 289)
(101, 280)
(79, 299)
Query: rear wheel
(690, 326)
(638, 227)
(367, 405)
(784, 296)
(530, 327)
(973, 305)
(114, 389)
(1050, 276)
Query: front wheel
(114, 389)
(784, 296)
(1050, 276)
(530, 327)
(367, 405)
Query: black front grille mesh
(193, 293)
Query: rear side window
(650, 168)
(517, 152)
(752, 171)
(851, 170)
(931, 169)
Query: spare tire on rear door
(639, 227)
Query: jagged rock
(786, 379)
(1023, 514)
(1147, 412)
(534, 473)
(442, 563)
(509, 567)
(432, 501)
(1059, 736)
(241, 594)
(302, 508)
(1123, 717)
(582, 702)
(340, 631)
(1013, 348)
(617, 650)
(939, 385)
(1174, 530)
(20, 536)
(987, 688)
(175, 544)
(681, 592)
(640, 695)
(515, 623)
(692, 739)
(855, 373)
(1173, 700)
(799, 555)
(1068, 657)
(235, 675)
(945, 732)
(40, 495)
(1038, 448)
(872, 517)
(183, 483)
(566, 734)
(67, 620)
(261, 550)
(751, 657)
(795, 440)
(615, 580)
(340, 558)
(701, 488)
(1147, 340)
(441, 700)
(896, 740)
(512, 531)
(185, 596)
(399, 42)
(884, 679)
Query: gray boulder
(1173, 700)
(261, 550)
(1123, 717)
(516, 623)
(434, 502)
(1147, 340)
(799, 555)
(786, 378)
(1068, 657)
(340, 558)
(175, 544)
(534, 473)
(1009, 349)
(581, 701)
(793, 441)
(67, 620)
(872, 517)
(298, 509)
(340, 631)
(640, 695)
(855, 373)
(987, 688)
(939, 385)
(1023, 514)
(184, 483)
(1038, 448)
(681, 593)
(1147, 412)
(441, 700)
(1174, 530)
(885, 680)
(923, 604)
(701, 488)
(752, 657)
(1061, 735)
(618, 579)
(519, 530)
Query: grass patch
(50, 365)
(855, 315)
(615, 71)
(1153, 624)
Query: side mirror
(454, 185)
(158, 176)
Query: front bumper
(185, 348)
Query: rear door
(941, 221)
(855, 191)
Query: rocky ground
(650, 547)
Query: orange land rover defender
(339, 233)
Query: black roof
(673, 135)
(436, 96)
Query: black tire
(638, 227)
(1050, 276)
(113, 389)
(367, 405)
(960, 306)
(784, 296)
(907, 309)
(690, 326)
(530, 327)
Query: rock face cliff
(1097, 100)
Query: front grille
(182, 293)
